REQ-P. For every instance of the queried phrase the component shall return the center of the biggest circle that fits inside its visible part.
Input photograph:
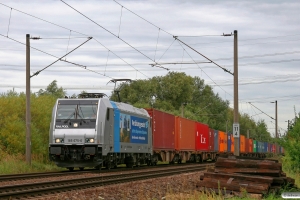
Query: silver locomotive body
(98, 132)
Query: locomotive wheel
(129, 162)
(129, 165)
(71, 169)
(108, 166)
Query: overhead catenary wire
(113, 34)
(9, 22)
(226, 70)
(68, 44)
(205, 72)
(242, 40)
(199, 35)
(39, 71)
(52, 55)
(106, 61)
(72, 31)
(60, 59)
(143, 18)
(261, 110)
(120, 58)
(156, 43)
(43, 19)
(120, 21)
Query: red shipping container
(232, 143)
(246, 145)
(242, 143)
(202, 136)
(269, 148)
(211, 140)
(184, 134)
(250, 146)
(163, 130)
(273, 147)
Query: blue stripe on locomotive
(116, 127)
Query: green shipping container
(254, 146)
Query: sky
(128, 37)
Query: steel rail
(49, 188)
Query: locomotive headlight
(75, 125)
(90, 140)
(59, 140)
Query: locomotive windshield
(76, 111)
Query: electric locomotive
(97, 132)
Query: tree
(291, 145)
(54, 90)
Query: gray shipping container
(216, 140)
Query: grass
(15, 164)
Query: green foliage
(13, 121)
(53, 90)
(291, 145)
(178, 93)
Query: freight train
(97, 132)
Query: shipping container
(202, 136)
(269, 148)
(250, 146)
(260, 147)
(222, 141)
(185, 139)
(163, 129)
(282, 150)
(216, 140)
(229, 142)
(279, 149)
(211, 139)
(265, 147)
(254, 146)
(225, 142)
(274, 148)
(242, 143)
(247, 145)
(232, 144)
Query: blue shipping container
(216, 140)
(259, 147)
(265, 147)
(228, 142)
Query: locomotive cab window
(76, 111)
(66, 111)
(87, 111)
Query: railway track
(49, 188)
(16, 177)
